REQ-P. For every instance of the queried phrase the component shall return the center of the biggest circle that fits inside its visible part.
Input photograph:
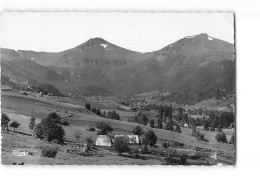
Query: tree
(169, 126)
(219, 129)
(121, 145)
(165, 146)
(94, 110)
(104, 129)
(161, 111)
(89, 141)
(233, 139)
(180, 114)
(144, 120)
(170, 112)
(14, 125)
(159, 124)
(77, 135)
(4, 121)
(206, 125)
(55, 117)
(32, 125)
(98, 112)
(151, 123)
(104, 114)
(213, 125)
(178, 129)
(221, 137)
(50, 129)
(87, 106)
(150, 138)
(138, 131)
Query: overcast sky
(143, 32)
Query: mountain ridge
(98, 64)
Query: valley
(183, 94)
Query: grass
(20, 108)
(26, 143)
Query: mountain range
(193, 65)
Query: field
(21, 108)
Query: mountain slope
(191, 66)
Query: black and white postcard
(116, 88)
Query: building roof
(103, 140)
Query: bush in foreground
(49, 152)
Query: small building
(103, 140)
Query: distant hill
(193, 68)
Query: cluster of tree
(190, 98)
(217, 119)
(104, 129)
(121, 144)
(46, 88)
(220, 120)
(149, 137)
(109, 114)
(50, 129)
(5, 123)
(96, 111)
(140, 118)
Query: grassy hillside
(40, 107)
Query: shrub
(77, 135)
(87, 106)
(65, 123)
(178, 129)
(49, 152)
(92, 129)
(89, 142)
(169, 126)
(171, 161)
(183, 160)
(221, 137)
